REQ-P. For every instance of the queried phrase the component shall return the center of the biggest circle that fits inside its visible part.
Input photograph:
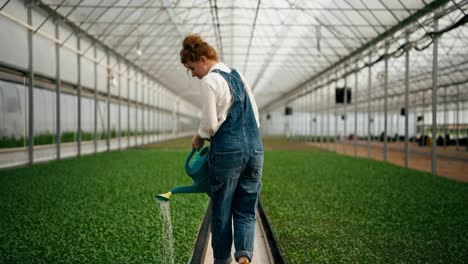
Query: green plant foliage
(113, 133)
(67, 136)
(102, 135)
(96, 209)
(86, 136)
(44, 139)
(329, 208)
(11, 141)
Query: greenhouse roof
(283, 47)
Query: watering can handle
(187, 160)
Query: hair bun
(193, 47)
(192, 41)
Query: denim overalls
(236, 163)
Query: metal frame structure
(293, 53)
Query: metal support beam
(328, 116)
(386, 103)
(369, 116)
(320, 116)
(445, 117)
(128, 105)
(407, 76)
(336, 122)
(30, 90)
(95, 100)
(58, 130)
(345, 114)
(158, 116)
(321, 139)
(143, 109)
(78, 57)
(109, 76)
(119, 125)
(355, 111)
(458, 116)
(136, 110)
(435, 55)
(315, 98)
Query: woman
(230, 120)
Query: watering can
(197, 169)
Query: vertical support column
(315, 110)
(30, 89)
(345, 116)
(435, 55)
(109, 76)
(355, 108)
(305, 116)
(95, 98)
(128, 105)
(143, 109)
(176, 115)
(458, 116)
(369, 98)
(407, 75)
(149, 106)
(308, 130)
(328, 115)
(386, 103)
(423, 117)
(336, 119)
(445, 117)
(58, 130)
(158, 115)
(319, 117)
(136, 109)
(153, 111)
(119, 124)
(78, 57)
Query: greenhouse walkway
(262, 253)
(266, 249)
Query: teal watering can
(197, 169)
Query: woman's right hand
(197, 142)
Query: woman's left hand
(197, 142)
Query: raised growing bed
(96, 209)
(329, 208)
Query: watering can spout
(164, 196)
(197, 169)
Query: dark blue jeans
(235, 178)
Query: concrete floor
(262, 253)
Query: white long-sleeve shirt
(217, 100)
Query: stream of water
(167, 245)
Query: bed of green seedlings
(96, 209)
(323, 208)
(328, 208)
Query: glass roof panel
(294, 39)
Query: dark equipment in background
(403, 112)
(420, 118)
(340, 95)
(288, 110)
(268, 116)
